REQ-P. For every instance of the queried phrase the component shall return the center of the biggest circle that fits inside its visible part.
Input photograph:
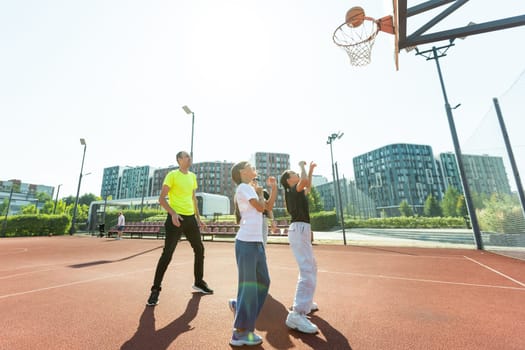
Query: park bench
(216, 229)
(140, 229)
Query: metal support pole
(56, 200)
(333, 179)
(4, 226)
(340, 204)
(189, 111)
(74, 217)
(192, 133)
(142, 202)
(459, 156)
(511, 155)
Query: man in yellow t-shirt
(183, 217)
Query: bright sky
(259, 76)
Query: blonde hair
(236, 171)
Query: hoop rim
(371, 37)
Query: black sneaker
(153, 297)
(202, 287)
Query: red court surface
(83, 292)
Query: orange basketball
(355, 16)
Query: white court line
(496, 271)
(81, 282)
(401, 255)
(29, 273)
(411, 279)
(18, 251)
(70, 284)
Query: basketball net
(358, 41)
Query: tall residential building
(215, 178)
(396, 173)
(111, 182)
(272, 164)
(158, 179)
(135, 182)
(318, 180)
(327, 194)
(485, 174)
(450, 172)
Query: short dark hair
(284, 179)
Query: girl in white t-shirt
(253, 277)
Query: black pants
(190, 228)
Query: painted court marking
(496, 271)
(82, 281)
(15, 251)
(379, 276)
(71, 283)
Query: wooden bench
(219, 229)
(212, 230)
(140, 229)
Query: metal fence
(499, 137)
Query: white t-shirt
(251, 220)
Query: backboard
(401, 13)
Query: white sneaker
(300, 323)
(314, 307)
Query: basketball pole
(459, 157)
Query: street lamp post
(56, 200)
(4, 226)
(433, 54)
(337, 191)
(73, 219)
(189, 111)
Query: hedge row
(408, 222)
(35, 225)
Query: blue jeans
(254, 282)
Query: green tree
(3, 206)
(315, 203)
(84, 199)
(87, 198)
(28, 209)
(461, 206)
(42, 197)
(479, 200)
(405, 209)
(47, 208)
(61, 207)
(450, 202)
(432, 207)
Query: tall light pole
(56, 200)
(4, 226)
(74, 217)
(337, 192)
(434, 54)
(189, 111)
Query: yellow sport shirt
(180, 195)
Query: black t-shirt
(297, 205)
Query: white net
(357, 41)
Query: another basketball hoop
(357, 35)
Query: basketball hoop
(358, 41)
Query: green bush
(323, 221)
(36, 225)
(407, 222)
(134, 216)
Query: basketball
(355, 16)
